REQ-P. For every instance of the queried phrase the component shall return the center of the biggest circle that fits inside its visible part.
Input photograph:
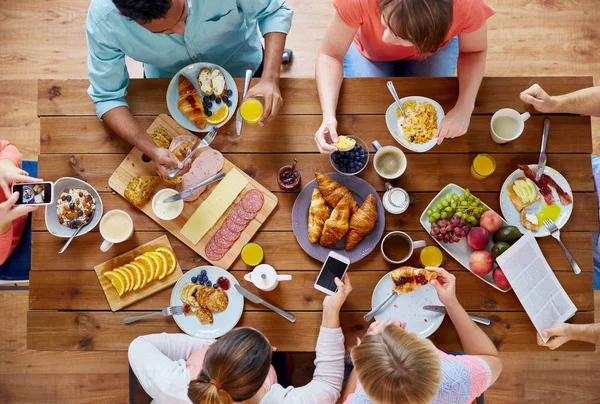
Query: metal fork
(203, 143)
(555, 232)
(167, 311)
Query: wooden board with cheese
(199, 221)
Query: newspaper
(535, 284)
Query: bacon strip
(544, 185)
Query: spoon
(76, 232)
(392, 89)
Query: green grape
(471, 218)
(478, 216)
(439, 206)
(444, 215)
(454, 195)
(453, 205)
(459, 214)
(464, 203)
(436, 215)
(448, 209)
(474, 222)
(461, 198)
(467, 193)
(431, 220)
(429, 212)
(435, 210)
(445, 203)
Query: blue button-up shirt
(217, 31)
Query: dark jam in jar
(288, 179)
(223, 283)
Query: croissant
(190, 102)
(318, 212)
(336, 226)
(333, 192)
(361, 222)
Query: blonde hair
(234, 369)
(397, 367)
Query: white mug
(382, 149)
(412, 245)
(109, 240)
(511, 113)
(265, 277)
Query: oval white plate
(224, 321)
(191, 72)
(396, 130)
(513, 217)
(408, 307)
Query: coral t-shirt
(467, 16)
(10, 239)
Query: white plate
(396, 130)
(191, 72)
(514, 217)
(224, 321)
(460, 251)
(408, 307)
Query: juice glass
(252, 254)
(431, 256)
(483, 166)
(251, 110)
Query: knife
(543, 158)
(442, 309)
(255, 299)
(203, 143)
(188, 192)
(372, 313)
(238, 116)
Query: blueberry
(69, 198)
(208, 283)
(344, 170)
(209, 105)
(71, 223)
(200, 282)
(229, 93)
(215, 285)
(76, 223)
(218, 101)
(203, 272)
(208, 113)
(398, 282)
(205, 278)
(80, 213)
(212, 97)
(72, 205)
(194, 279)
(225, 98)
(228, 103)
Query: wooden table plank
(437, 169)
(101, 331)
(295, 259)
(570, 134)
(78, 290)
(147, 96)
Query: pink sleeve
(350, 11)
(477, 15)
(8, 151)
(481, 374)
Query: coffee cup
(115, 227)
(389, 161)
(397, 247)
(507, 125)
(264, 277)
(395, 200)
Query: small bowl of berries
(351, 161)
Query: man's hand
(165, 161)
(454, 124)
(559, 334)
(327, 136)
(11, 174)
(377, 327)
(268, 89)
(541, 101)
(445, 286)
(10, 212)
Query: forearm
(472, 337)
(125, 125)
(331, 318)
(329, 73)
(586, 333)
(274, 47)
(582, 102)
(471, 67)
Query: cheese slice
(213, 207)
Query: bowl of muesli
(75, 201)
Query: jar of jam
(288, 177)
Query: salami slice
(237, 219)
(221, 242)
(214, 253)
(233, 226)
(253, 201)
(228, 234)
(241, 212)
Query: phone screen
(38, 193)
(332, 269)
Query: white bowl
(396, 130)
(176, 206)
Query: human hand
(558, 335)
(327, 136)
(378, 326)
(165, 161)
(335, 302)
(454, 124)
(268, 89)
(11, 174)
(541, 101)
(10, 212)
(444, 286)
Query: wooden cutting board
(134, 165)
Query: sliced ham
(207, 164)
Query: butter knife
(543, 158)
(238, 116)
(188, 192)
(255, 299)
(442, 309)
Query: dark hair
(425, 23)
(234, 369)
(144, 11)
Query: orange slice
(170, 257)
(139, 275)
(128, 282)
(117, 281)
(218, 116)
(149, 265)
(161, 261)
(130, 275)
(147, 274)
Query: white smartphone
(34, 193)
(335, 265)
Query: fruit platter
(469, 231)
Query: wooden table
(68, 310)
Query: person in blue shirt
(167, 35)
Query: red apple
(491, 221)
(481, 262)
(500, 279)
(478, 238)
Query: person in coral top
(12, 217)
(391, 38)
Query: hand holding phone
(34, 193)
(335, 266)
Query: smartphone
(335, 265)
(34, 193)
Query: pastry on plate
(204, 315)
(333, 191)
(318, 213)
(140, 188)
(362, 222)
(522, 193)
(408, 279)
(190, 102)
(336, 226)
(529, 221)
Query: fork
(167, 311)
(555, 232)
(207, 140)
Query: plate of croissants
(338, 212)
(200, 91)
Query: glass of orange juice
(483, 166)
(251, 110)
(431, 256)
(252, 254)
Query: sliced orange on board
(117, 281)
(170, 257)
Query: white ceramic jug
(265, 277)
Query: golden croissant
(361, 222)
(336, 226)
(317, 214)
(333, 191)
(190, 103)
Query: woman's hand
(444, 286)
(10, 212)
(327, 136)
(11, 174)
(558, 335)
(377, 327)
(269, 90)
(454, 124)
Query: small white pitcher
(265, 277)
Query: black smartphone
(335, 265)
(34, 193)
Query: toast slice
(219, 85)
(528, 224)
(205, 81)
(516, 201)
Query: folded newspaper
(535, 284)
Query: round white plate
(191, 72)
(408, 307)
(224, 321)
(396, 130)
(513, 217)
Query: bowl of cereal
(75, 201)
(417, 131)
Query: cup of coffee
(389, 161)
(115, 227)
(397, 247)
(507, 124)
